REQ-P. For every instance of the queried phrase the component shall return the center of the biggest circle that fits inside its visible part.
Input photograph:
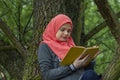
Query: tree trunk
(11, 62)
(76, 13)
(44, 11)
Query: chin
(64, 40)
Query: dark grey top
(50, 68)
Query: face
(64, 32)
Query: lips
(65, 38)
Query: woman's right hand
(80, 62)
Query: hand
(96, 54)
(80, 62)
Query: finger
(86, 57)
(82, 56)
(95, 46)
(96, 54)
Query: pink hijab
(49, 36)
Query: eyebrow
(65, 28)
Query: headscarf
(60, 48)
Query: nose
(66, 32)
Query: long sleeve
(50, 68)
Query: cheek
(57, 35)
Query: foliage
(18, 15)
(104, 39)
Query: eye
(69, 31)
(62, 29)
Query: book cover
(77, 51)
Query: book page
(90, 50)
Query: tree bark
(13, 63)
(76, 13)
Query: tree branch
(110, 17)
(96, 29)
(6, 48)
(13, 39)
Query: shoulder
(44, 51)
(43, 45)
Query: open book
(77, 51)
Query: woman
(56, 42)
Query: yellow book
(81, 51)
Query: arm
(46, 65)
